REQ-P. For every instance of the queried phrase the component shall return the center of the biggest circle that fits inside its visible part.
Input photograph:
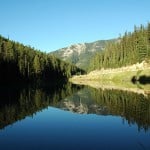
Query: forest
(129, 49)
(20, 63)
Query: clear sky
(52, 24)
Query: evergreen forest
(129, 49)
(20, 63)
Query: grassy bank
(120, 78)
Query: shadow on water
(142, 79)
(17, 102)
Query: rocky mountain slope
(80, 54)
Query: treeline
(24, 63)
(127, 50)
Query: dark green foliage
(129, 49)
(23, 63)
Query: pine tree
(148, 38)
(36, 65)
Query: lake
(73, 117)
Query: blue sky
(52, 24)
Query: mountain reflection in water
(135, 108)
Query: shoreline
(119, 78)
(111, 85)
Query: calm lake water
(73, 118)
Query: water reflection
(133, 108)
(73, 117)
(18, 103)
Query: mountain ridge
(81, 53)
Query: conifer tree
(36, 64)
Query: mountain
(80, 54)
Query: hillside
(80, 54)
(23, 63)
(133, 47)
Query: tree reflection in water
(132, 107)
(17, 103)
